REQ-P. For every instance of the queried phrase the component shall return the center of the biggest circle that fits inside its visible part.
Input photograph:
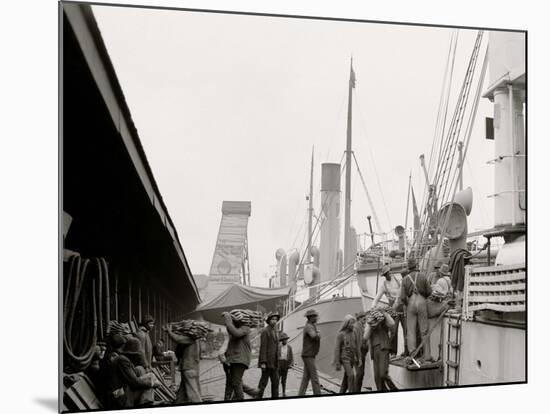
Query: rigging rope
(374, 215)
(86, 307)
(470, 124)
(439, 191)
(363, 124)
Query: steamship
(484, 340)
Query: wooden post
(116, 295)
(129, 300)
(148, 301)
(139, 304)
(154, 305)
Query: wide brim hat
(273, 315)
(283, 336)
(444, 270)
(132, 347)
(311, 312)
(385, 269)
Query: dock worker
(391, 288)
(228, 393)
(238, 353)
(159, 351)
(378, 337)
(146, 326)
(135, 384)
(415, 290)
(438, 302)
(347, 354)
(310, 349)
(113, 397)
(268, 357)
(286, 360)
(189, 390)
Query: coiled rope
(86, 311)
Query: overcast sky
(228, 107)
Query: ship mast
(347, 233)
(310, 210)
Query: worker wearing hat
(146, 325)
(268, 357)
(131, 377)
(391, 288)
(286, 360)
(347, 354)
(362, 347)
(415, 290)
(380, 347)
(310, 349)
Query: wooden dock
(213, 381)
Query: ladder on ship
(454, 338)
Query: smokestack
(507, 75)
(330, 227)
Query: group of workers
(414, 298)
(123, 367)
(417, 297)
(275, 358)
(122, 371)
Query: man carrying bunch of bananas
(379, 324)
(189, 390)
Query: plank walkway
(213, 381)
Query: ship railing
(495, 288)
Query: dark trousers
(283, 372)
(350, 378)
(381, 365)
(310, 373)
(269, 374)
(360, 371)
(229, 394)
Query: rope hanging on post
(86, 311)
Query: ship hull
(485, 353)
(488, 354)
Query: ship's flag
(416, 222)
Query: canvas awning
(242, 297)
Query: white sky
(228, 108)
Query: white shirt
(284, 352)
